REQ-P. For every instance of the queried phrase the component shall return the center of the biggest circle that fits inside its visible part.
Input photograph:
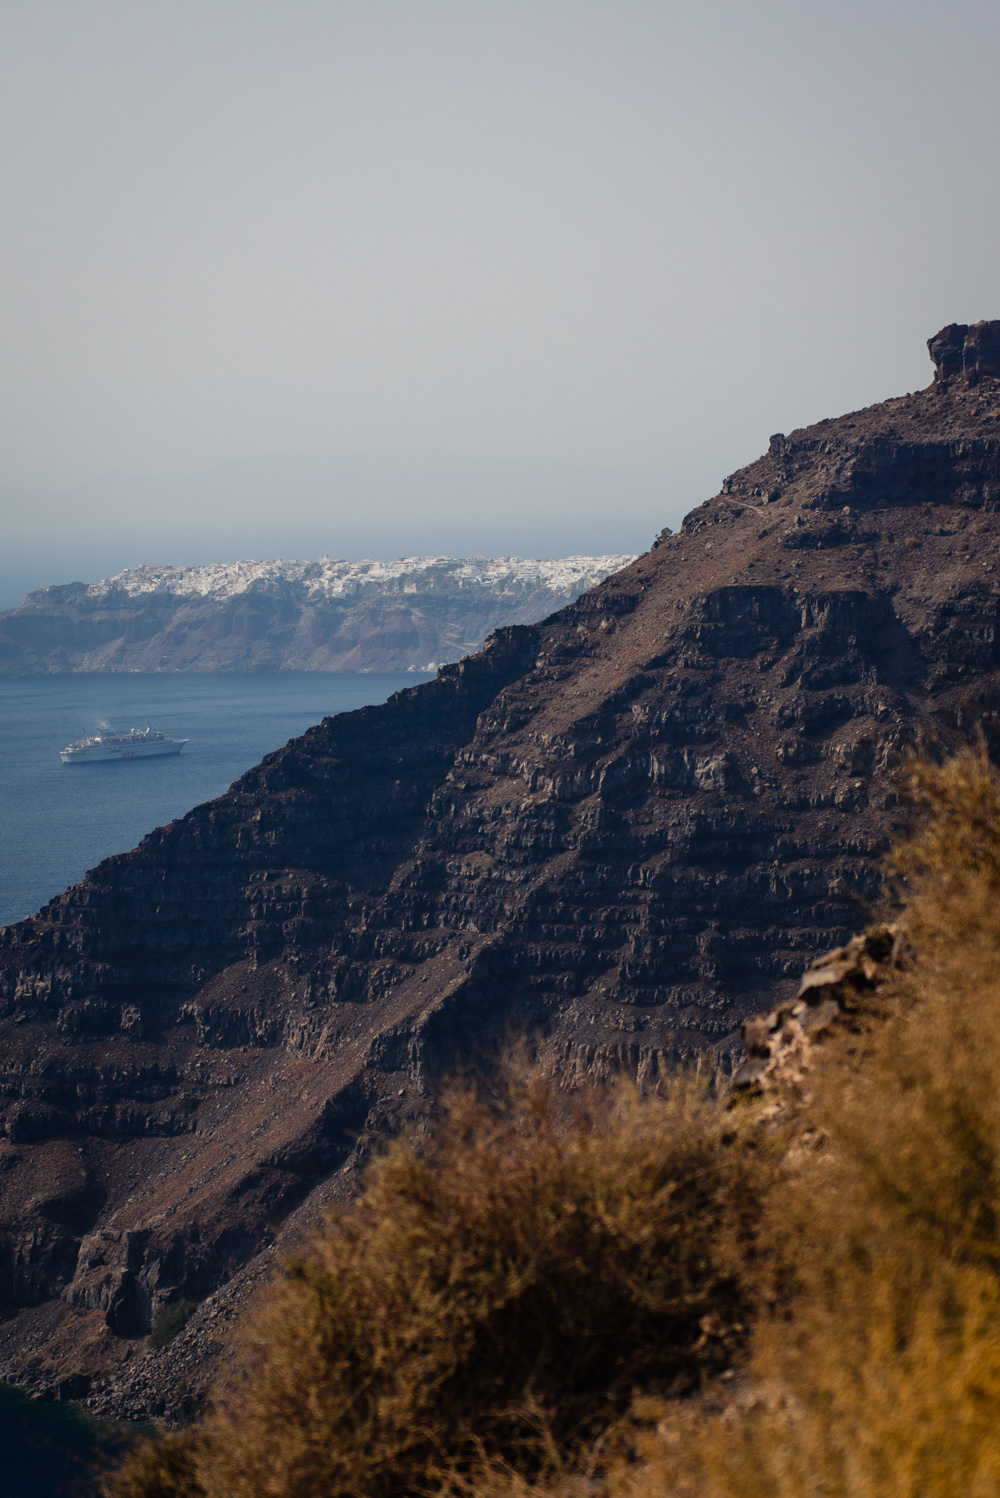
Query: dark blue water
(57, 821)
(54, 1450)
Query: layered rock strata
(624, 830)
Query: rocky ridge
(624, 830)
(838, 992)
(411, 615)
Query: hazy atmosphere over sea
(394, 279)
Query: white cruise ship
(138, 743)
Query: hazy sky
(377, 277)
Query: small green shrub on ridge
(171, 1320)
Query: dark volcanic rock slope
(624, 828)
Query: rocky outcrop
(410, 615)
(967, 353)
(837, 993)
(623, 830)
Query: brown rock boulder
(963, 352)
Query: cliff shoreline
(413, 615)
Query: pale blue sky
(375, 277)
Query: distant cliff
(409, 615)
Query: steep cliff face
(409, 615)
(624, 829)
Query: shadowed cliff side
(624, 829)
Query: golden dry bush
(950, 854)
(161, 1468)
(900, 1399)
(877, 1371)
(501, 1289)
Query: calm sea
(57, 821)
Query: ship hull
(93, 753)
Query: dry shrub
(878, 1370)
(501, 1289)
(162, 1468)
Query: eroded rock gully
(625, 829)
